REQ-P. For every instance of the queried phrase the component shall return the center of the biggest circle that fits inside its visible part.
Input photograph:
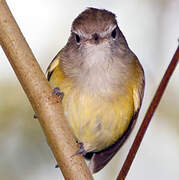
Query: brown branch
(47, 107)
(158, 95)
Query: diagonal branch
(158, 95)
(47, 107)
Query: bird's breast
(97, 121)
(98, 115)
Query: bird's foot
(35, 116)
(81, 150)
(56, 91)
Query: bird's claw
(81, 150)
(56, 91)
(35, 116)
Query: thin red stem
(158, 95)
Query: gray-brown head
(94, 24)
(95, 44)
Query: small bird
(102, 82)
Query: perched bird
(103, 84)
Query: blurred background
(151, 28)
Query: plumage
(102, 81)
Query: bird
(102, 82)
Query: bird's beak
(96, 39)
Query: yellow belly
(96, 121)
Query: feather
(55, 62)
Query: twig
(47, 107)
(138, 139)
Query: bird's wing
(100, 159)
(55, 62)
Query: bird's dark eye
(77, 38)
(113, 34)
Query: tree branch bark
(47, 107)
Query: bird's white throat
(98, 73)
